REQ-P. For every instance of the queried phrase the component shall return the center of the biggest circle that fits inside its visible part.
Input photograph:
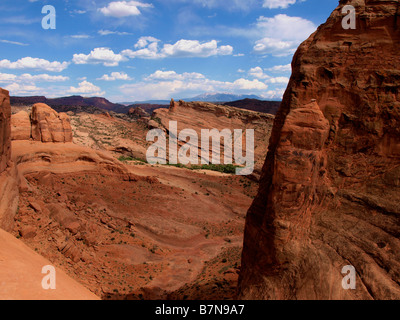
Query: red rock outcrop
(42, 124)
(5, 131)
(21, 126)
(204, 115)
(330, 187)
(8, 183)
(50, 126)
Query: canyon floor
(160, 232)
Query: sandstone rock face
(5, 131)
(203, 115)
(137, 112)
(49, 126)
(20, 126)
(330, 188)
(8, 182)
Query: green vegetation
(223, 168)
(128, 158)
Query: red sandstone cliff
(8, 185)
(330, 188)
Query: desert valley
(78, 192)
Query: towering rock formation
(42, 124)
(49, 126)
(330, 189)
(8, 185)
(5, 130)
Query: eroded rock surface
(8, 185)
(5, 131)
(42, 124)
(330, 187)
(203, 115)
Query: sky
(153, 49)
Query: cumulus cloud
(281, 68)
(26, 77)
(17, 89)
(121, 9)
(172, 75)
(193, 48)
(104, 56)
(259, 73)
(34, 63)
(167, 84)
(149, 49)
(282, 34)
(115, 76)
(86, 88)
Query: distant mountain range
(68, 103)
(98, 104)
(206, 97)
(221, 97)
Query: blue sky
(154, 49)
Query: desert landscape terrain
(78, 193)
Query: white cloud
(115, 76)
(149, 49)
(15, 43)
(121, 9)
(86, 88)
(80, 36)
(167, 84)
(26, 77)
(281, 68)
(78, 11)
(172, 75)
(258, 73)
(282, 34)
(17, 89)
(193, 48)
(144, 41)
(275, 4)
(34, 63)
(104, 56)
(109, 32)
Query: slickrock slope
(204, 115)
(21, 275)
(330, 188)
